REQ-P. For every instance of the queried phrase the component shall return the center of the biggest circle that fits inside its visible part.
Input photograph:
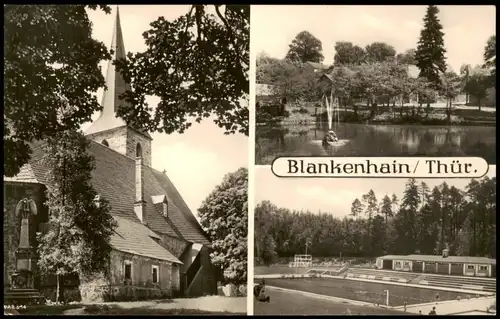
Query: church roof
(114, 179)
(135, 239)
(26, 175)
(115, 86)
(318, 66)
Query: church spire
(115, 83)
(115, 87)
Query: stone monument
(22, 289)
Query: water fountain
(332, 106)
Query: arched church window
(138, 150)
(105, 143)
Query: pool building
(444, 264)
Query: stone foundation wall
(70, 294)
(114, 287)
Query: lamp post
(386, 297)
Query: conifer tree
(430, 54)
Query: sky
(334, 195)
(197, 160)
(466, 28)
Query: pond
(375, 140)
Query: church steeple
(114, 80)
(110, 129)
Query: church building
(159, 250)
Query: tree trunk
(402, 107)
(448, 111)
(479, 104)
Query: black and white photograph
(374, 81)
(126, 159)
(363, 246)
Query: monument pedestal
(22, 291)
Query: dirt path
(208, 303)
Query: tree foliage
(50, 61)
(197, 65)
(478, 83)
(347, 53)
(290, 80)
(451, 87)
(407, 57)
(426, 221)
(265, 244)
(80, 226)
(305, 47)
(379, 52)
(430, 53)
(224, 216)
(490, 58)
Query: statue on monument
(25, 254)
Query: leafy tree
(197, 65)
(265, 244)
(265, 69)
(347, 53)
(340, 82)
(291, 81)
(407, 57)
(80, 226)
(268, 252)
(490, 58)
(477, 84)
(451, 86)
(50, 61)
(464, 75)
(379, 52)
(224, 216)
(305, 47)
(430, 54)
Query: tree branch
(230, 31)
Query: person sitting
(433, 312)
(259, 292)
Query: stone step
(10, 290)
(23, 296)
(31, 294)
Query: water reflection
(375, 140)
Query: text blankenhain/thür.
(339, 168)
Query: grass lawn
(364, 291)
(291, 303)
